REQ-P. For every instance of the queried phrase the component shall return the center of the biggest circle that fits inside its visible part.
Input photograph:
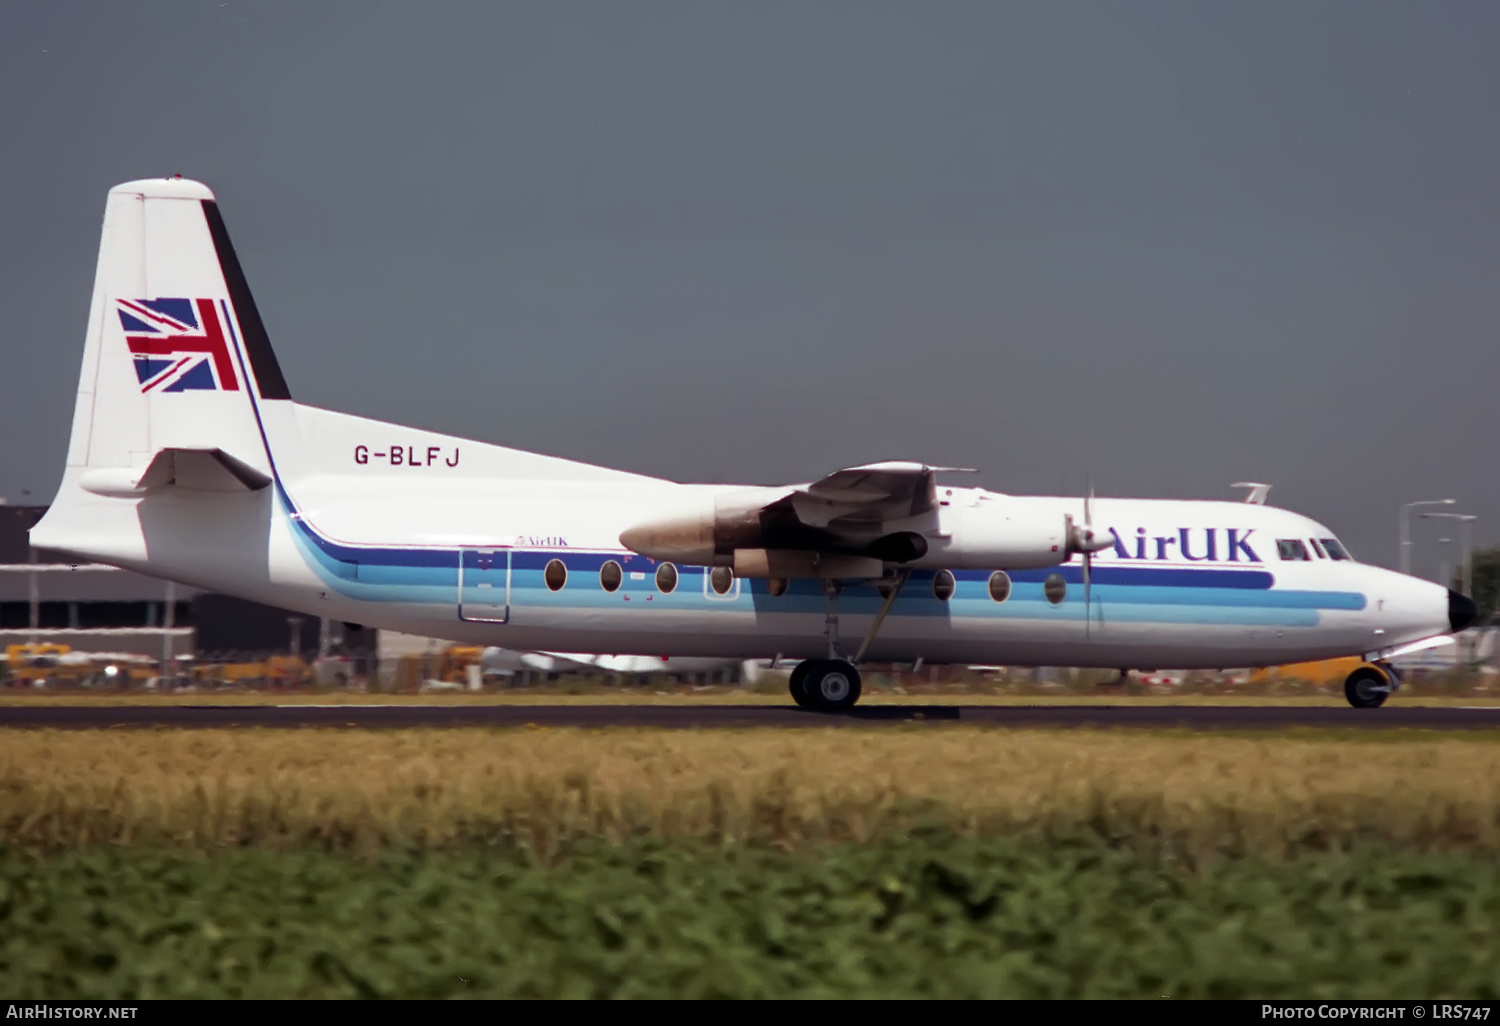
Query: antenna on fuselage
(1257, 494)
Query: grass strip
(546, 791)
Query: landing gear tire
(1367, 688)
(795, 684)
(831, 685)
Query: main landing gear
(832, 684)
(827, 685)
(1369, 686)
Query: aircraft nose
(1462, 611)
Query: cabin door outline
(484, 585)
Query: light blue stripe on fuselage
(430, 577)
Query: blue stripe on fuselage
(1120, 594)
(1148, 576)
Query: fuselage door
(484, 585)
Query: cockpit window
(1334, 549)
(1291, 548)
(1317, 551)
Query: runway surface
(1191, 717)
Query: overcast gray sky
(1170, 246)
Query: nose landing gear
(1369, 686)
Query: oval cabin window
(776, 586)
(721, 579)
(666, 578)
(1055, 588)
(942, 585)
(610, 576)
(556, 575)
(999, 585)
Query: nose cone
(1462, 612)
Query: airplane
(508, 662)
(189, 460)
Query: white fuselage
(456, 547)
(189, 460)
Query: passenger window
(776, 586)
(1055, 588)
(1335, 550)
(610, 576)
(999, 585)
(556, 575)
(942, 585)
(1291, 548)
(721, 578)
(666, 578)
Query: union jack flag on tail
(178, 345)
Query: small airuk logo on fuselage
(177, 345)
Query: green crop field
(934, 915)
(945, 861)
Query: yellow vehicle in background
(452, 668)
(275, 671)
(1323, 672)
(48, 663)
(30, 664)
(22, 653)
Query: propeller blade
(1088, 611)
(1088, 558)
(1082, 539)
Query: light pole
(1405, 553)
(1466, 546)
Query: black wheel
(798, 678)
(832, 685)
(1367, 688)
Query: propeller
(1088, 561)
(1085, 542)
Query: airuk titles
(1194, 544)
(408, 455)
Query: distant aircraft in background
(189, 461)
(506, 661)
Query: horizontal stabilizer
(199, 470)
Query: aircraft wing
(864, 497)
(805, 529)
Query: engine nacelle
(977, 530)
(705, 530)
(1000, 532)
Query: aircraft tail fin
(175, 344)
(175, 361)
(181, 392)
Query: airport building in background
(47, 597)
